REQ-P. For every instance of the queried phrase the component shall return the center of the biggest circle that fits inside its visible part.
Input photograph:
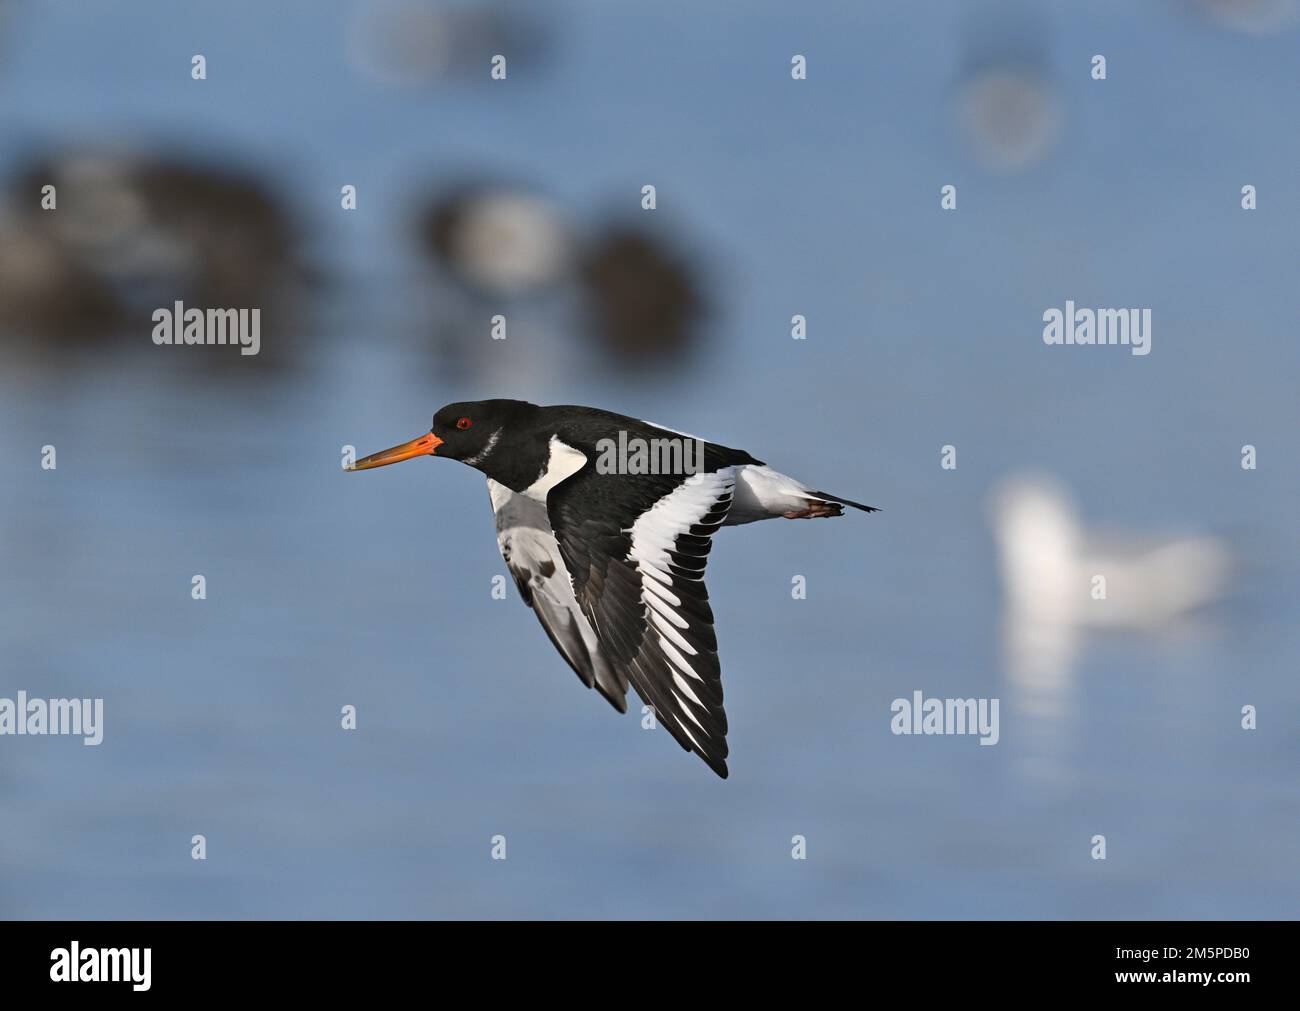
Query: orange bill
(423, 446)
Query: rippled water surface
(327, 589)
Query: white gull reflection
(1051, 566)
(1060, 580)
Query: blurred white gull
(1049, 564)
(1251, 17)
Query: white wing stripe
(672, 634)
(678, 659)
(651, 586)
(650, 569)
(663, 609)
(687, 710)
(654, 537)
(681, 683)
(685, 729)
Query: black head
(468, 431)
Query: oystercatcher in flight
(608, 546)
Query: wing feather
(531, 554)
(636, 547)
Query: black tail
(845, 501)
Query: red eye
(463, 423)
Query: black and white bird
(605, 523)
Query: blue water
(819, 197)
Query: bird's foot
(816, 510)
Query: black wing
(636, 547)
(528, 546)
